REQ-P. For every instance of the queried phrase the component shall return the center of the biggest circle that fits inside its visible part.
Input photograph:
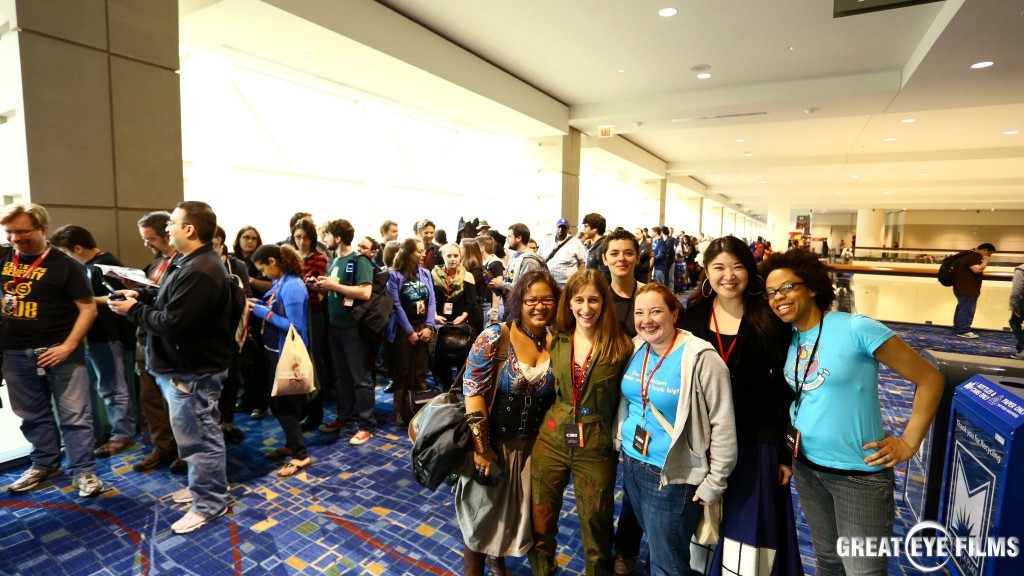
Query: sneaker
(1018, 355)
(360, 438)
(155, 459)
(113, 447)
(968, 335)
(257, 414)
(88, 484)
(334, 427)
(193, 521)
(181, 496)
(179, 466)
(32, 478)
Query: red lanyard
(273, 295)
(577, 382)
(645, 387)
(161, 268)
(16, 261)
(718, 334)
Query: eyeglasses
(784, 289)
(362, 247)
(253, 238)
(534, 302)
(20, 232)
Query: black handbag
(414, 401)
(455, 339)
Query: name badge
(10, 304)
(573, 435)
(448, 308)
(793, 440)
(641, 440)
(348, 302)
(421, 307)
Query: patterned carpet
(356, 510)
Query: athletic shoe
(257, 414)
(33, 477)
(193, 521)
(182, 496)
(1018, 355)
(88, 484)
(968, 335)
(360, 438)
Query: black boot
(473, 562)
(496, 564)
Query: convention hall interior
(892, 127)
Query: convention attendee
(286, 305)
(255, 396)
(314, 265)
(233, 383)
(493, 268)
(563, 253)
(425, 230)
(594, 226)
(412, 290)
(48, 309)
(588, 356)
(660, 251)
(507, 390)
(107, 339)
(522, 261)
(456, 309)
(729, 311)
(844, 459)
(676, 428)
(967, 288)
(188, 352)
(1016, 310)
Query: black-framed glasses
(784, 289)
(533, 302)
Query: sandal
(279, 454)
(293, 467)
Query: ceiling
(819, 102)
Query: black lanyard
(807, 368)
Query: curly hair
(812, 271)
(515, 298)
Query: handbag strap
(500, 358)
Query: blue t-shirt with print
(839, 408)
(663, 392)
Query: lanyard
(718, 334)
(645, 387)
(807, 368)
(16, 261)
(162, 267)
(577, 382)
(448, 284)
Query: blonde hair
(40, 217)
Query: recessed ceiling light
(704, 75)
(760, 175)
(1011, 132)
(791, 48)
(889, 139)
(908, 120)
(742, 140)
(748, 154)
(307, 53)
(763, 182)
(993, 210)
(923, 174)
(854, 176)
(838, 193)
(980, 65)
(622, 70)
(667, 12)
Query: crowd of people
(576, 356)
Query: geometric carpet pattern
(356, 510)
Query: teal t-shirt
(350, 270)
(839, 406)
(664, 391)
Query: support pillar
(870, 227)
(779, 223)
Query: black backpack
(947, 269)
(372, 315)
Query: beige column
(870, 227)
(779, 223)
(91, 113)
(570, 200)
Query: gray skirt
(497, 520)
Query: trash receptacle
(922, 487)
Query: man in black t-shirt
(107, 339)
(967, 288)
(48, 309)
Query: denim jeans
(659, 276)
(837, 505)
(192, 402)
(667, 514)
(964, 315)
(1018, 331)
(353, 382)
(106, 373)
(32, 398)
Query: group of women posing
(560, 392)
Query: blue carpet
(356, 510)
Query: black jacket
(187, 317)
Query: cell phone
(114, 294)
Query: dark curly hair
(515, 298)
(812, 271)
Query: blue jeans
(106, 373)
(964, 315)
(353, 383)
(32, 398)
(837, 505)
(667, 514)
(659, 276)
(1018, 331)
(192, 403)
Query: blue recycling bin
(983, 480)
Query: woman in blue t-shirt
(676, 427)
(843, 458)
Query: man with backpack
(521, 262)
(349, 280)
(970, 268)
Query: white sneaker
(193, 521)
(968, 335)
(1018, 355)
(182, 496)
(88, 484)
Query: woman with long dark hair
(286, 304)
(588, 356)
(314, 265)
(255, 395)
(412, 290)
(729, 311)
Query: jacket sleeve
(1017, 291)
(431, 301)
(295, 302)
(189, 306)
(711, 377)
(395, 281)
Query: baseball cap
(562, 222)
